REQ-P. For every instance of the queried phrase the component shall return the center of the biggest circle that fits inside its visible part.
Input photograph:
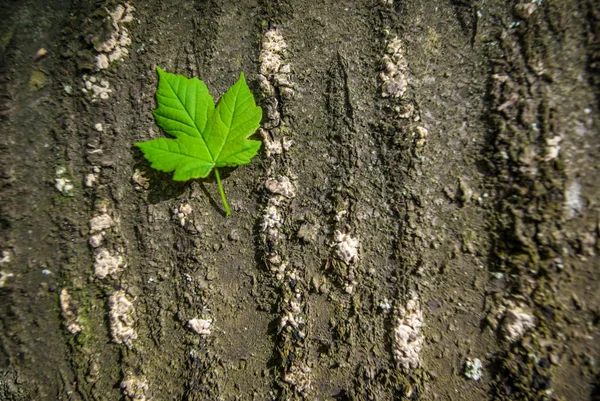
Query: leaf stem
(227, 211)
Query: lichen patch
(4, 276)
(135, 388)
(122, 319)
(69, 313)
(107, 263)
(346, 247)
(408, 341)
(112, 40)
(96, 89)
(299, 376)
(515, 323)
(100, 223)
(394, 79)
(200, 326)
(182, 213)
(62, 183)
(140, 181)
(281, 186)
(473, 369)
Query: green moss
(37, 80)
(7, 39)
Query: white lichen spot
(473, 369)
(269, 63)
(295, 305)
(524, 10)
(122, 13)
(346, 247)
(101, 223)
(501, 77)
(273, 42)
(552, 148)
(122, 319)
(4, 276)
(185, 209)
(90, 180)
(272, 219)
(298, 376)
(272, 51)
(140, 180)
(408, 341)
(281, 186)
(588, 243)
(273, 70)
(102, 61)
(264, 85)
(272, 147)
(5, 257)
(98, 227)
(182, 213)
(200, 326)
(96, 240)
(96, 89)
(61, 183)
(288, 319)
(385, 305)
(135, 388)
(69, 312)
(106, 263)
(120, 52)
(394, 81)
(421, 135)
(275, 260)
(573, 202)
(286, 143)
(114, 47)
(515, 323)
(277, 267)
(64, 186)
(98, 127)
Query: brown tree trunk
(421, 221)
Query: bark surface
(421, 222)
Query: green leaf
(205, 137)
(235, 119)
(184, 105)
(187, 157)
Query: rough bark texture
(421, 223)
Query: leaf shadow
(162, 187)
(215, 200)
(210, 198)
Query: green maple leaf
(206, 137)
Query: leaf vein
(194, 121)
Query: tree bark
(420, 223)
